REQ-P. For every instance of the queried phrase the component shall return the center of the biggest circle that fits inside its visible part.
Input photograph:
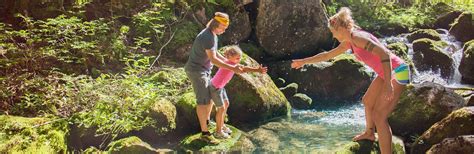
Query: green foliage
(32, 135)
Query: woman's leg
(369, 101)
(381, 112)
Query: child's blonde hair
(232, 50)
(343, 19)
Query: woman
(384, 91)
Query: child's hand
(262, 69)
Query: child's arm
(259, 69)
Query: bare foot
(364, 136)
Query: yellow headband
(222, 20)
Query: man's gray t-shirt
(198, 60)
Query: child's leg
(226, 106)
(219, 118)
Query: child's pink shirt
(223, 76)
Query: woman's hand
(297, 64)
(388, 92)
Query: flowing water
(326, 129)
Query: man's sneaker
(222, 135)
(209, 138)
(226, 129)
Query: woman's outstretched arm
(323, 56)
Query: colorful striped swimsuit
(400, 71)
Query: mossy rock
(365, 147)
(400, 49)
(428, 55)
(466, 68)
(460, 144)
(186, 109)
(193, 142)
(164, 115)
(424, 33)
(422, 105)
(32, 135)
(445, 20)
(301, 101)
(131, 144)
(254, 97)
(462, 27)
(290, 90)
(459, 122)
(342, 79)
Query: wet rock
(290, 90)
(466, 68)
(265, 139)
(300, 101)
(424, 33)
(244, 144)
(461, 28)
(460, 122)
(422, 105)
(280, 82)
(366, 146)
(460, 144)
(287, 27)
(429, 55)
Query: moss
(193, 143)
(130, 145)
(424, 33)
(164, 114)
(185, 33)
(32, 135)
(400, 49)
(469, 49)
(290, 90)
(365, 147)
(459, 122)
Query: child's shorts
(218, 95)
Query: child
(233, 55)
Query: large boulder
(285, 27)
(343, 79)
(254, 97)
(424, 33)
(32, 135)
(239, 29)
(422, 105)
(265, 139)
(254, 51)
(466, 68)
(460, 144)
(462, 27)
(428, 55)
(445, 20)
(460, 122)
(163, 114)
(187, 119)
(366, 146)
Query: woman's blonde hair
(213, 23)
(232, 50)
(343, 19)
